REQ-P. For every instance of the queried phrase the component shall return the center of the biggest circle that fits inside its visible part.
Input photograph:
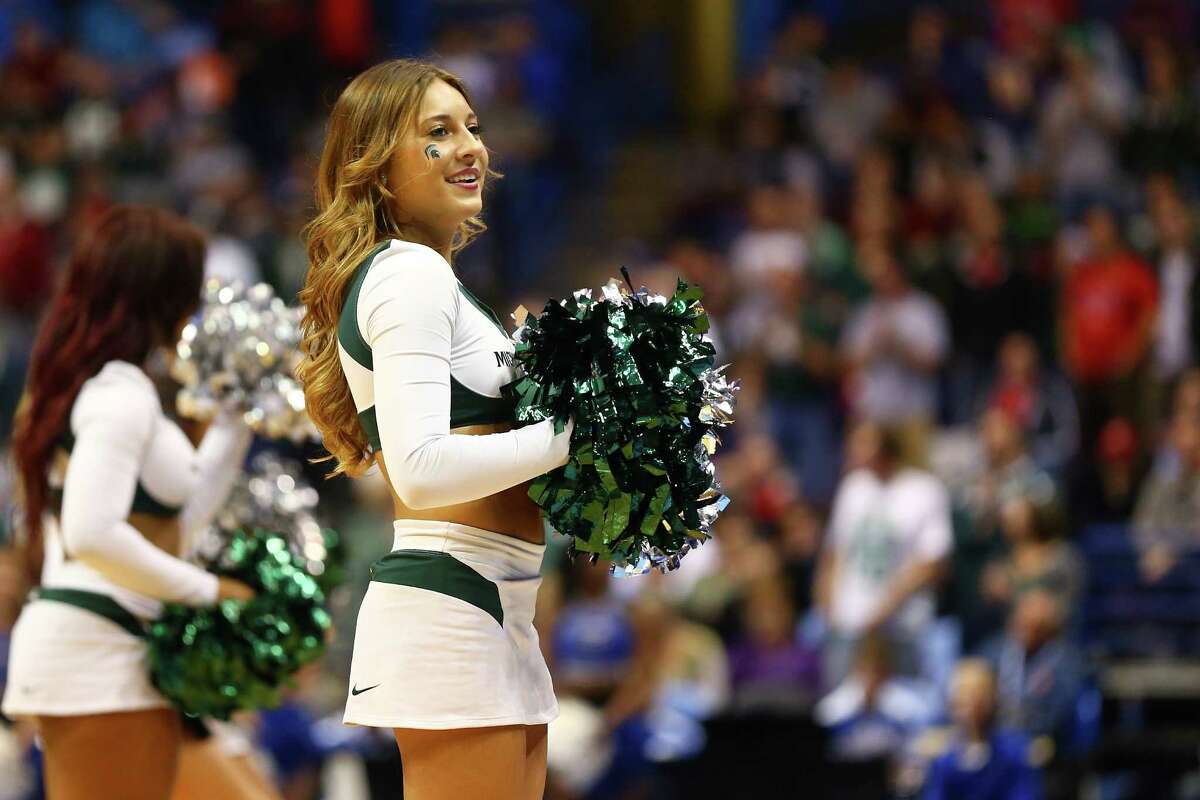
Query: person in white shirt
(405, 370)
(111, 492)
(895, 344)
(886, 548)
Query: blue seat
(1124, 615)
(1084, 730)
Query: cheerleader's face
(434, 195)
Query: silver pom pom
(271, 494)
(241, 355)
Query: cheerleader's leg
(535, 762)
(132, 754)
(206, 771)
(463, 762)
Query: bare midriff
(164, 533)
(510, 512)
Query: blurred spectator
(794, 76)
(687, 671)
(457, 50)
(1038, 559)
(592, 639)
(1178, 334)
(772, 668)
(873, 712)
(1008, 128)
(849, 112)
(1185, 400)
(928, 223)
(1040, 400)
(288, 734)
(988, 293)
(1109, 305)
(798, 541)
(830, 259)
(745, 557)
(1032, 228)
(939, 67)
(677, 677)
(1107, 490)
(1084, 113)
(1166, 523)
(1165, 133)
(801, 374)
(895, 343)
(652, 691)
(1009, 475)
(983, 762)
(765, 257)
(1039, 670)
(756, 472)
(767, 246)
(25, 249)
(888, 539)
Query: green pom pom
(636, 371)
(232, 656)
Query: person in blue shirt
(1039, 671)
(983, 762)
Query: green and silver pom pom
(636, 371)
(272, 494)
(237, 656)
(240, 354)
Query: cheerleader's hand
(233, 589)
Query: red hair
(135, 276)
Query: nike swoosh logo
(357, 691)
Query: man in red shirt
(1109, 307)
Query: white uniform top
(123, 439)
(878, 530)
(422, 356)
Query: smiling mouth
(466, 179)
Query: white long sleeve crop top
(422, 356)
(122, 446)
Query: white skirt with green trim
(66, 661)
(445, 635)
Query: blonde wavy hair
(369, 120)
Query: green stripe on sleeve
(369, 422)
(348, 333)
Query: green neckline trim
(483, 307)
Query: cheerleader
(404, 370)
(111, 489)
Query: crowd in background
(952, 256)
